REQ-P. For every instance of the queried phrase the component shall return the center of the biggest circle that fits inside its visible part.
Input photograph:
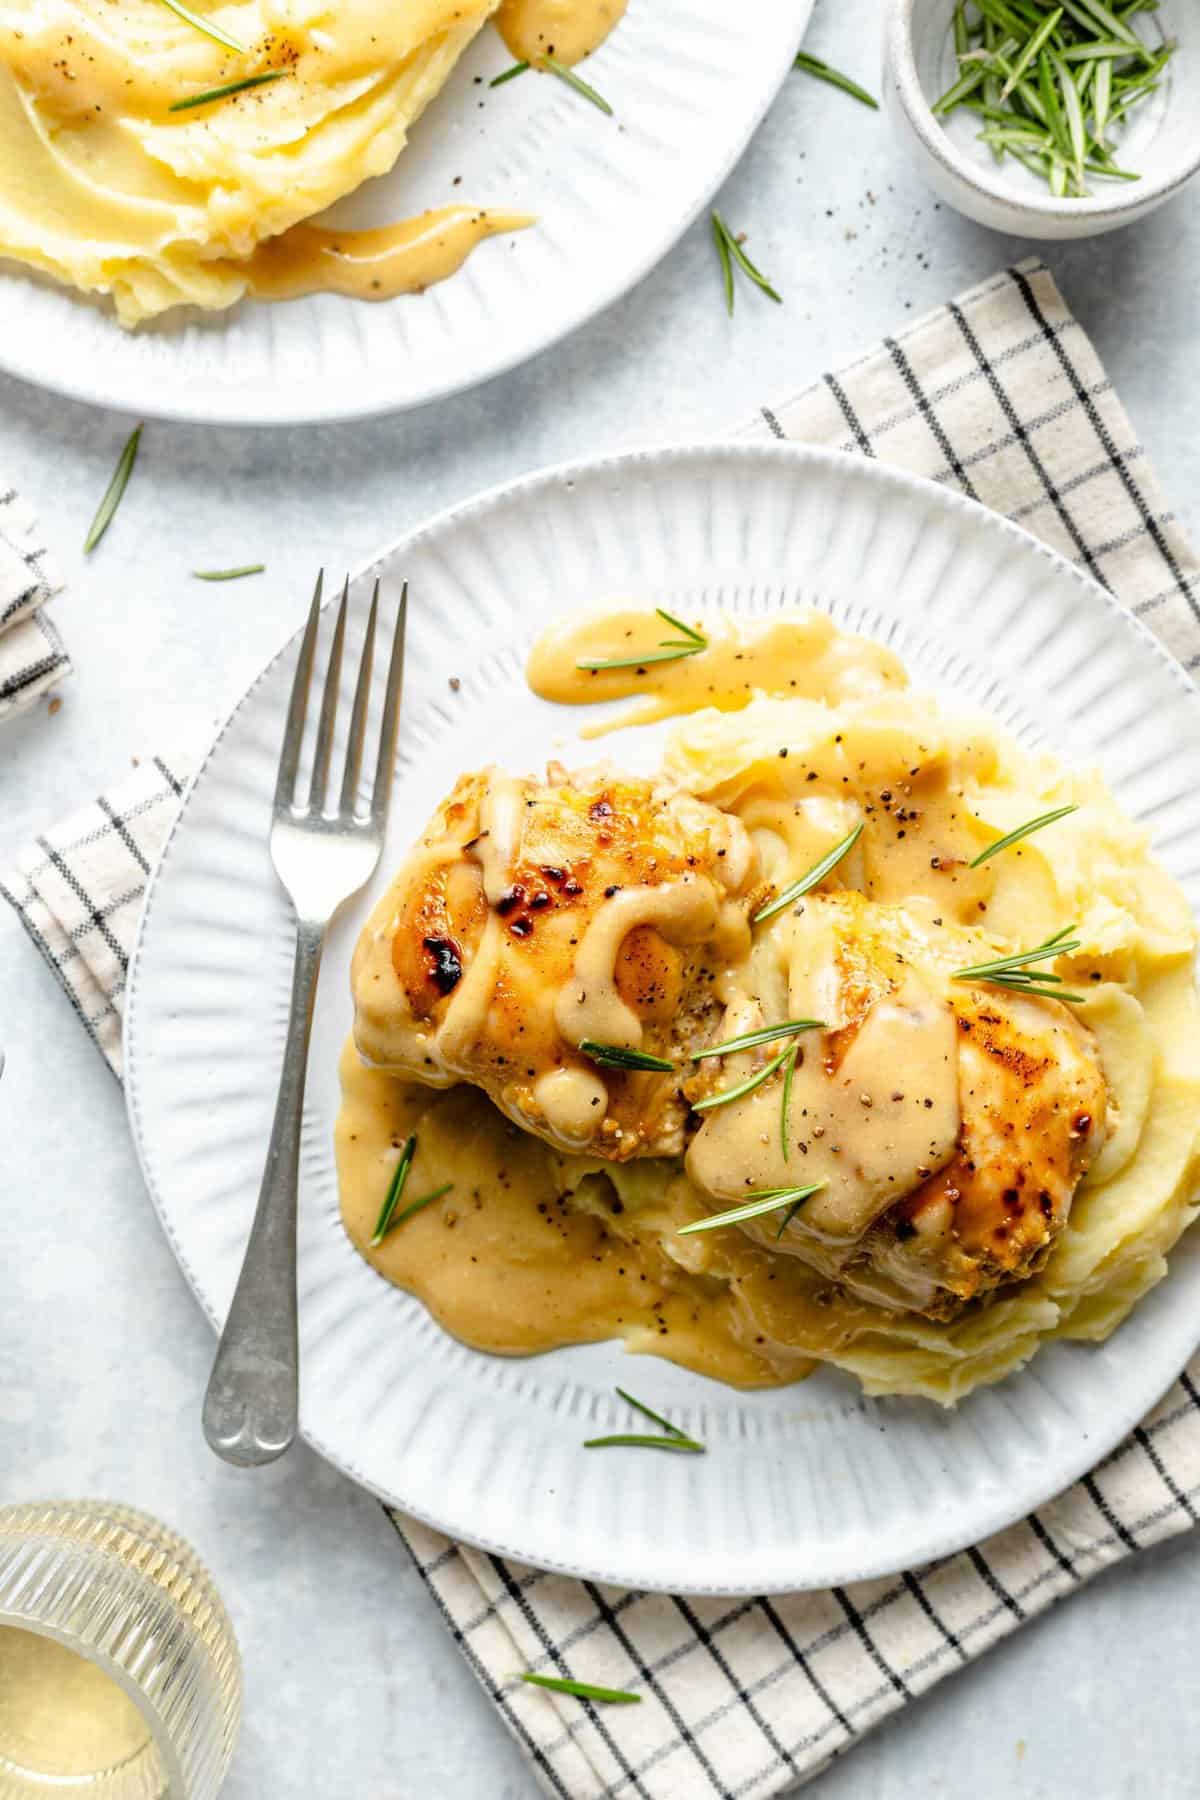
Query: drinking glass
(120, 1677)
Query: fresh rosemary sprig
(1030, 50)
(616, 1056)
(817, 873)
(114, 491)
(209, 30)
(634, 1440)
(554, 67)
(649, 1413)
(764, 1200)
(223, 93)
(689, 633)
(744, 1087)
(1022, 831)
(730, 251)
(636, 662)
(228, 574)
(789, 1070)
(812, 65)
(389, 1218)
(1051, 79)
(669, 649)
(1014, 971)
(577, 82)
(583, 1690)
(789, 1215)
(766, 1035)
(672, 1438)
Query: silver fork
(321, 858)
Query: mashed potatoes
(105, 188)
(957, 1274)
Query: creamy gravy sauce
(525, 1254)
(803, 657)
(568, 30)
(397, 259)
(529, 1251)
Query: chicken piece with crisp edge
(533, 917)
(948, 1123)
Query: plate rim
(144, 405)
(1097, 1442)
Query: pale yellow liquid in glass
(59, 1715)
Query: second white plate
(688, 81)
(802, 1487)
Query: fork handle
(251, 1406)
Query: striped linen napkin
(32, 657)
(1001, 395)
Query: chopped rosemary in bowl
(1047, 118)
(1053, 86)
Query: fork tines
(316, 802)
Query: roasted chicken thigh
(537, 919)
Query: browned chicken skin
(535, 916)
(949, 1141)
(1033, 1108)
(947, 1125)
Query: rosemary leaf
(744, 1087)
(764, 1201)
(726, 262)
(222, 93)
(817, 873)
(1022, 831)
(674, 1439)
(1072, 110)
(416, 1206)
(577, 82)
(114, 491)
(766, 1035)
(1035, 988)
(788, 1216)
(957, 92)
(583, 1690)
(1071, 66)
(616, 1056)
(812, 65)
(785, 1105)
(1031, 48)
(669, 649)
(395, 1190)
(732, 249)
(689, 631)
(1055, 118)
(1009, 971)
(1101, 100)
(649, 1413)
(1098, 50)
(635, 1440)
(1109, 22)
(748, 268)
(228, 574)
(962, 37)
(667, 654)
(209, 30)
(519, 68)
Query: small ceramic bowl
(1161, 141)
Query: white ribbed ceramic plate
(688, 81)
(802, 1486)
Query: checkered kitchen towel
(31, 652)
(1001, 395)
